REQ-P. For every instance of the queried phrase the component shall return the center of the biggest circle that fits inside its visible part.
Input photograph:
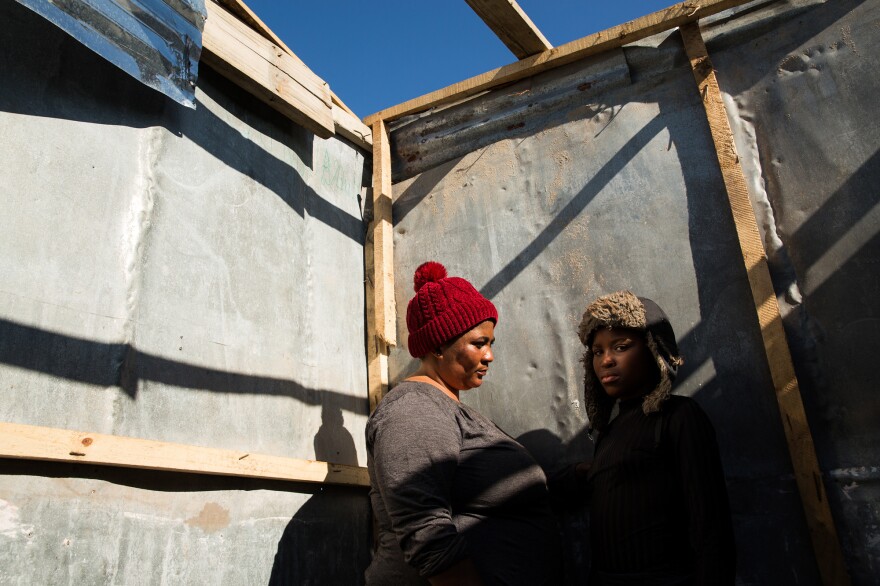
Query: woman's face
(464, 362)
(623, 363)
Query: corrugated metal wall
(602, 176)
(179, 275)
(175, 275)
(805, 115)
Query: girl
(659, 513)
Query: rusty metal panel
(177, 275)
(423, 142)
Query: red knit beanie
(443, 308)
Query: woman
(457, 500)
(659, 513)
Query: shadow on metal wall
(334, 519)
(123, 366)
(324, 542)
(60, 78)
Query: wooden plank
(611, 38)
(338, 102)
(60, 445)
(352, 128)
(271, 53)
(512, 25)
(383, 238)
(379, 266)
(249, 17)
(377, 350)
(823, 532)
(266, 71)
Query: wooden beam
(341, 104)
(249, 17)
(31, 442)
(266, 71)
(236, 32)
(612, 38)
(794, 419)
(377, 350)
(352, 128)
(383, 237)
(513, 26)
(379, 262)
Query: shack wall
(805, 116)
(602, 176)
(177, 275)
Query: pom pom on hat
(443, 307)
(429, 272)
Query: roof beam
(250, 18)
(612, 38)
(513, 26)
(269, 73)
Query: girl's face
(623, 363)
(463, 363)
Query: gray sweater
(448, 484)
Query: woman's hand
(463, 573)
(581, 470)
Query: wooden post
(823, 533)
(379, 251)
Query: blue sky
(379, 53)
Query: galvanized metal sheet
(86, 525)
(177, 275)
(155, 41)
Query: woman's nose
(489, 356)
(606, 359)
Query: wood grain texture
(377, 350)
(249, 17)
(594, 44)
(823, 532)
(383, 238)
(352, 128)
(60, 445)
(266, 71)
(379, 265)
(513, 26)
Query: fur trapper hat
(623, 309)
